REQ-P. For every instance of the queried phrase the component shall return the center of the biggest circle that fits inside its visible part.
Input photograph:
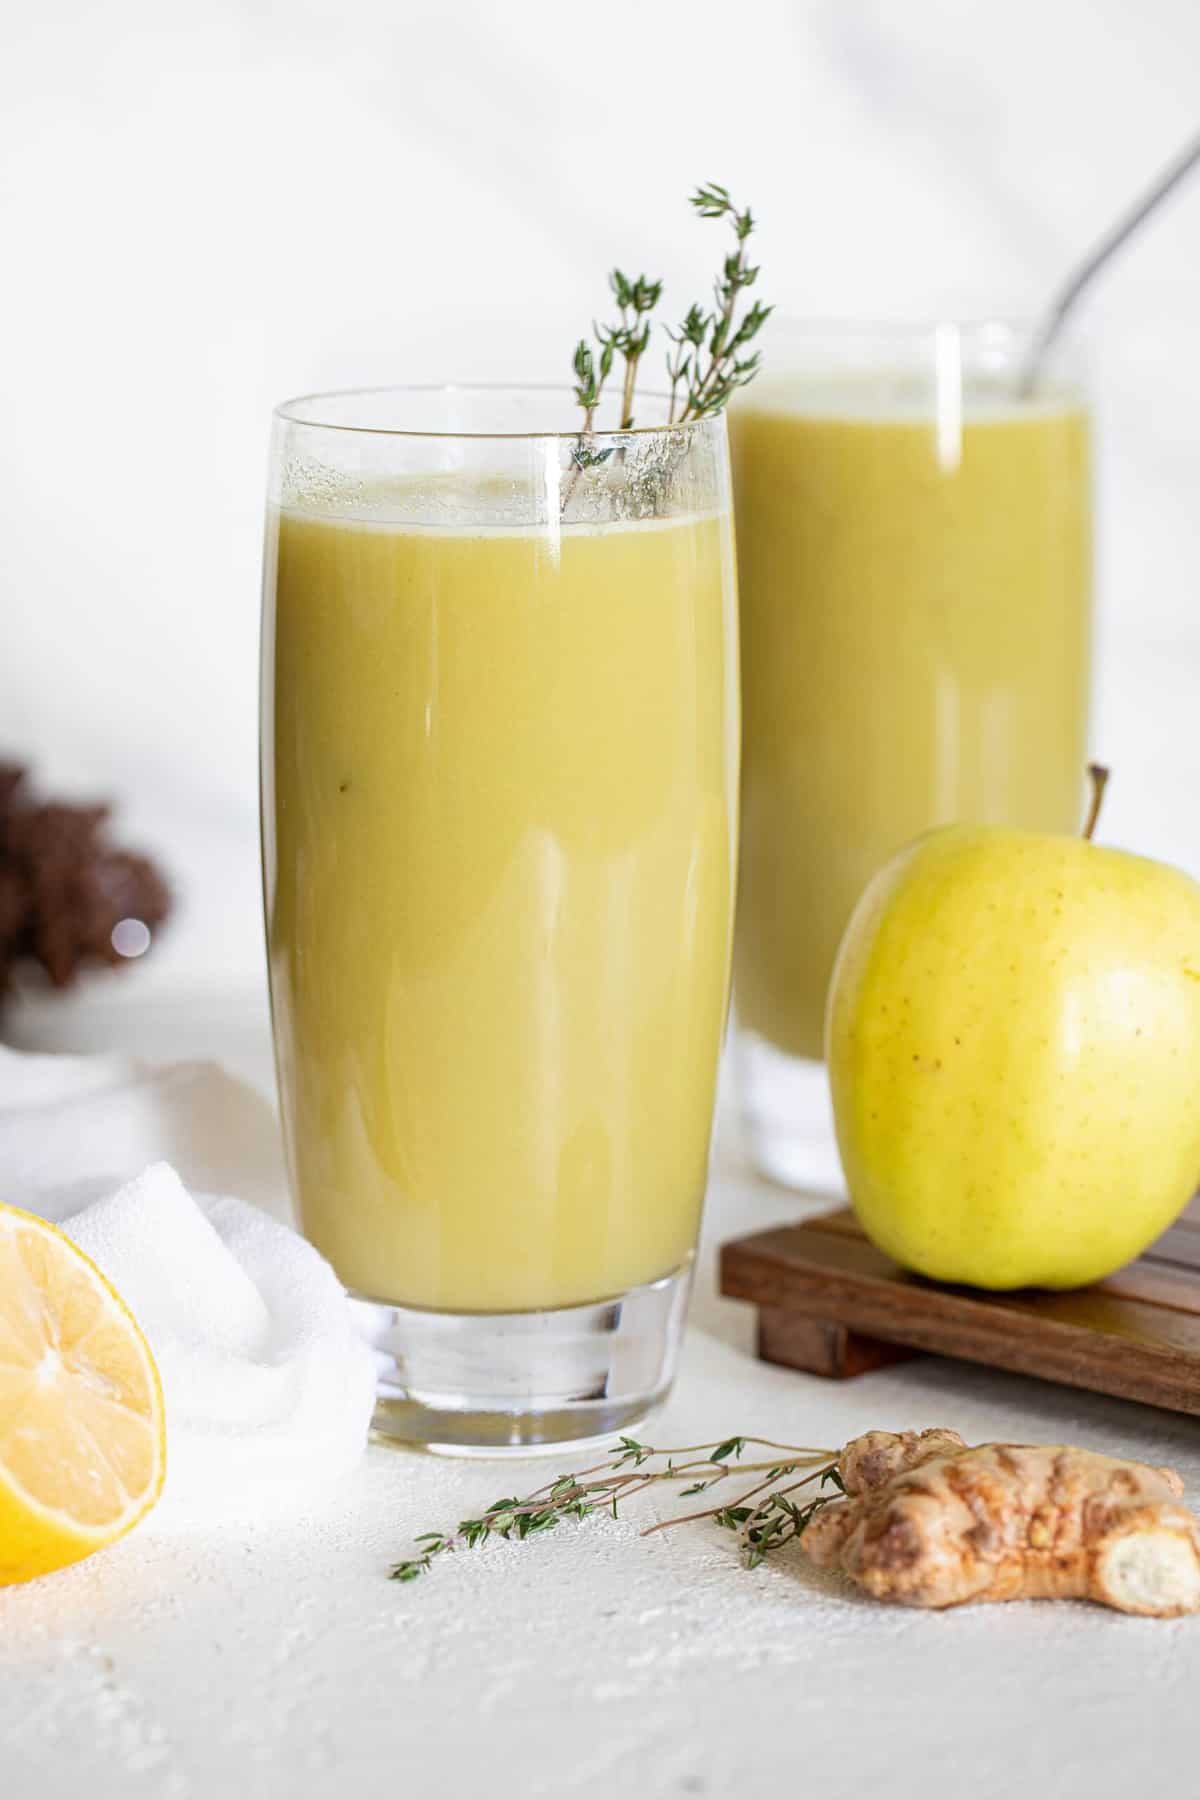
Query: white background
(204, 209)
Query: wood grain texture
(830, 1303)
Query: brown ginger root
(928, 1521)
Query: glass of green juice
(500, 729)
(914, 563)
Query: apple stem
(1098, 776)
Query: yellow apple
(1013, 1040)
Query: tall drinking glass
(914, 550)
(499, 782)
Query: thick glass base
(786, 1116)
(496, 1384)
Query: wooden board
(830, 1303)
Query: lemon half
(82, 1437)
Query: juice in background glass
(914, 552)
(500, 761)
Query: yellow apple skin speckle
(1013, 1039)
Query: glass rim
(825, 325)
(287, 411)
(987, 345)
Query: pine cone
(64, 887)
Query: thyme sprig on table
(764, 1516)
(710, 358)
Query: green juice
(915, 620)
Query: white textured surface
(277, 1662)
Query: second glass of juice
(914, 558)
(500, 754)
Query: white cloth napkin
(267, 1384)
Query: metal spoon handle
(1109, 244)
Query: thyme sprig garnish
(710, 385)
(764, 1515)
(710, 358)
(629, 338)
